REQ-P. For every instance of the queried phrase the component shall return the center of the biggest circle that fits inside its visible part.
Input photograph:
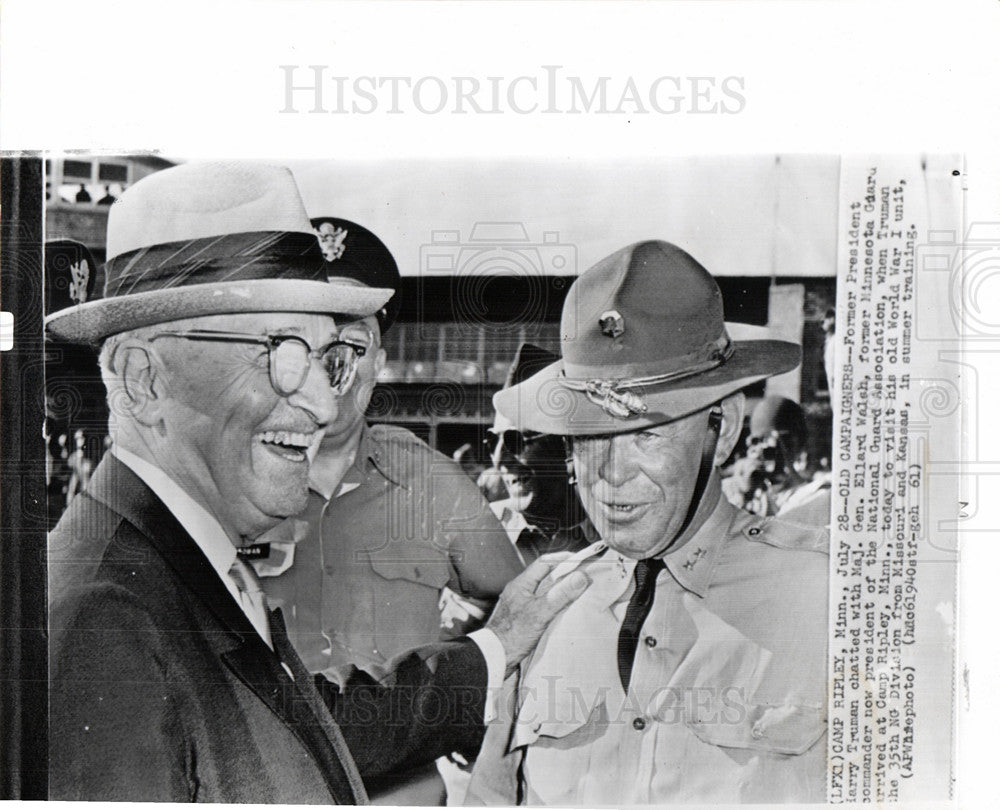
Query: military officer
(694, 668)
(391, 528)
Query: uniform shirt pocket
(424, 566)
(405, 601)
(790, 729)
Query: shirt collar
(204, 529)
(512, 521)
(369, 452)
(692, 564)
(378, 456)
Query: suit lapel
(115, 485)
(340, 770)
(250, 659)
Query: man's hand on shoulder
(530, 602)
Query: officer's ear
(733, 407)
(378, 361)
(378, 350)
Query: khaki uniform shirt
(727, 701)
(371, 561)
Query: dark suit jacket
(161, 689)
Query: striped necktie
(252, 598)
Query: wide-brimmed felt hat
(211, 239)
(529, 360)
(357, 253)
(776, 414)
(644, 342)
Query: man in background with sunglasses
(171, 678)
(542, 512)
(391, 528)
(775, 476)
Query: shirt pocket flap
(783, 729)
(421, 567)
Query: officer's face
(636, 487)
(229, 438)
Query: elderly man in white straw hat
(170, 677)
(693, 669)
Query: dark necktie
(638, 609)
(305, 683)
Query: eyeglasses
(288, 357)
(359, 333)
(512, 441)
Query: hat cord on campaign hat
(615, 397)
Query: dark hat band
(232, 257)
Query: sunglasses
(512, 441)
(288, 357)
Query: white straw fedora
(211, 239)
(643, 342)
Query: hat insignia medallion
(78, 286)
(332, 245)
(612, 323)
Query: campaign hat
(643, 342)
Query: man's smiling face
(636, 487)
(235, 443)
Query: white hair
(108, 356)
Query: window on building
(112, 173)
(78, 170)
(89, 182)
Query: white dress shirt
(204, 529)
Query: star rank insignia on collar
(693, 559)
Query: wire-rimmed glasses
(288, 357)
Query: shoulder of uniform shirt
(401, 438)
(782, 533)
(392, 445)
(396, 435)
